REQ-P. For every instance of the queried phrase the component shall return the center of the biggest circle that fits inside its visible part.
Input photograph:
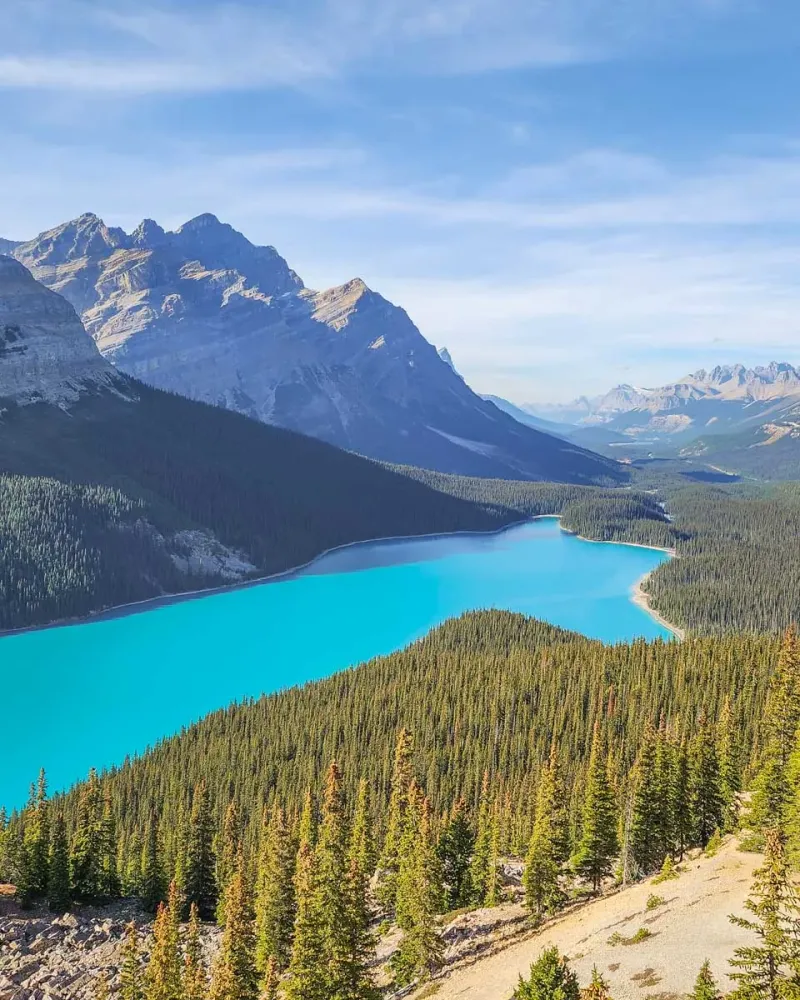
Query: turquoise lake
(87, 694)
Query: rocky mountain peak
(84, 237)
(45, 353)
(148, 234)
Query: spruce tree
(705, 986)
(597, 988)
(199, 882)
(228, 851)
(646, 821)
(162, 980)
(730, 767)
(303, 980)
(402, 776)
(37, 838)
(109, 873)
(664, 767)
(543, 893)
(58, 881)
(707, 804)
(360, 866)
(269, 990)
(683, 819)
(770, 969)
(194, 980)
(87, 844)
(550, 978)
(234, 976)
(456, 846)
(153, 884)
(484, 875)
(131, 984)
(340, 913)
(598, 845)
(421, 948)
(274, 907)
(772, 791)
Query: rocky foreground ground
(47, 957)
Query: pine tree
(162, 979)
(269, 991)
(199, 879)
(420, 952)
(772, 792)
(227, 853)
(484, 875)
(664, 768)
(87, 844)
(303, 980)
(360, 865)
(109, 873)
(362, 845)
(402, 776)
(730, 767)
(683, 820)
(37, 838)
(770, 970)
(194, 981)
(598, 844)
(705, 986)
(597, 988)
(153, 886)
(707, 804)
(274, 907)
(58, 881)
(543, 893)
(131, 985)
(646, 821)
(456, 846)
(234, 976)
(550, 979)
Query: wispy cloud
(170, 48)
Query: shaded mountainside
(114, 491)
(203, 312)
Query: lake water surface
(88, 694)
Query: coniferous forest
(391, 792)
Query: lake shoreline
(638, 595)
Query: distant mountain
(112, 491)
(725, 400)
(203, 312)
(594, 437)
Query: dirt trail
(690, 926)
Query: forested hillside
(494, 735)
(97, 500)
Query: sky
(568, 194)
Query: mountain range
(203, 312)
(724, 412)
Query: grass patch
(641, 935)
(654, 901)
(752, 843)
(668, 871)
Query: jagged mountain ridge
(203, 312)
(725, 400)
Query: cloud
(115, 48)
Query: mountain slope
(202, 495)
(203, 312)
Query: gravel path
(690, 926)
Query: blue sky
(566, 193)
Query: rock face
(45, 354)
(203, 312)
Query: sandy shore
(641, 599)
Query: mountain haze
(203, 312)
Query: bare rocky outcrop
(45, 354)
